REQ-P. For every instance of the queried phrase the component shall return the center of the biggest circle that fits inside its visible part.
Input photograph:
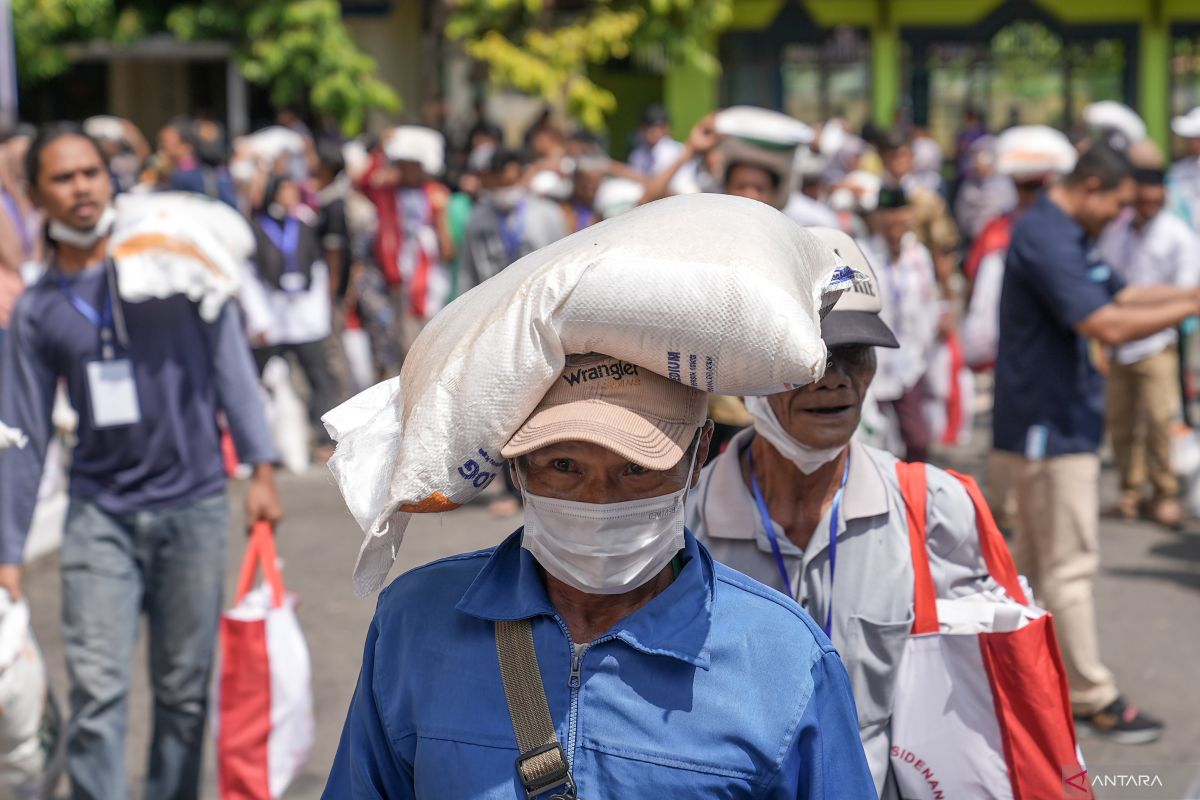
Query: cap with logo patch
(854, 319)
(636, 413)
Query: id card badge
(113, 393)
(1035, 442)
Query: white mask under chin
(82, 238)
(807, 459)
(605, 548)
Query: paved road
(1148, 596)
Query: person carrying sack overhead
(794, 503)
(148, 521)
(631, 663)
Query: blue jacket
(718, 687)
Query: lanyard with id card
(112, 390)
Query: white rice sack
(416, 143)
(1109, 115)
(269, 143)
(763, 126)
(179, 243)
(721, 293)
(1030, 151)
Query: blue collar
(676, 623)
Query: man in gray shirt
(509, 222)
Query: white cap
(854, 318)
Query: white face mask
(807, 459)
(82, 238)
(605, 548)
(506, 199)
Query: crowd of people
(1040, 276)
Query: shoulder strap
(996, 557)
(913, 487)
(995, 550)
(542, 764)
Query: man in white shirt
(771, 506)
(657, 149)
(1148, 246)
(911, 309)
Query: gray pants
(169, 563)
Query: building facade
(926, 61)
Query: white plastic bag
(23, 695)
(11, 437)
(179, 243)
(718, 292)
(981, 325)
(286, 416)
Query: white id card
(113, 393)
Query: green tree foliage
(545, 48)
(300, 48)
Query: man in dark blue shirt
(1058, 307)
(148, 517)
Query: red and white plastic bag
(982, 707)
(262, 700)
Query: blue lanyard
(583, 217)
(285, 237)
(834, 515)
(512, 230)
(101, 319)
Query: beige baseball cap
(636, 413)
(854, 318)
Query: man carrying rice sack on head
(599, 651)
(132, 315)
(797, 503)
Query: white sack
(11, 437)
(22, 704)
(770, 128)
(286, 416)
(1030, 151)
(718, 292)
(416, 143)
(179, 243)
(1114, 116)
(268, 144)
(1188, 125)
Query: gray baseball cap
(854, 319)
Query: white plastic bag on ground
(172, 243)
(717, 292)
(286, 416)
(22, 704)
